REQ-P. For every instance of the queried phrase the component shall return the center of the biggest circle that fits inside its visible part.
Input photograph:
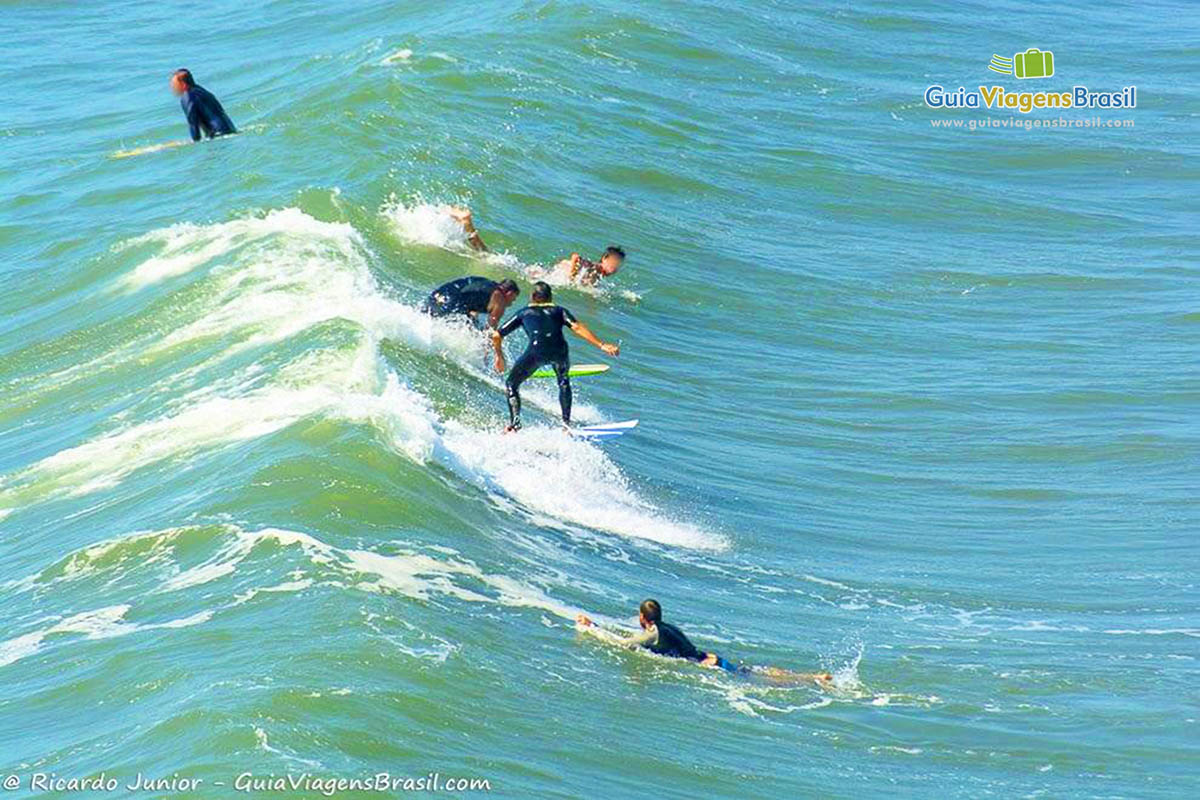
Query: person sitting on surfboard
(543, 322)
(665, 639)
(203, 111)
(577, 268)
(472, 296)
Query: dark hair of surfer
(651, 610)
(509, 285)
(541, 292)
(185, 75)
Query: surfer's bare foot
(510, 429)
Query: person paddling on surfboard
(473, 296)
(578, 269)
(203, 111)
(588, 273)
(543, 323)
(665, 639)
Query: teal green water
(918, 405)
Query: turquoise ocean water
(919, 405)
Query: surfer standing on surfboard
(667, 640)
(543, 322)
(203, 111)
(578, 269)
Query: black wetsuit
(543, 324)
(674, 643)
(204, 113)
(463, 296)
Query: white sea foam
(275, 276)
(404, 54)
(187, 246)
(431, 224)
(426, 223)
(566, 479)
(397, 569)
(210, 422)
(100, 623)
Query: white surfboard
(607, 430)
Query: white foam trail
(407, 572)
(261, 737)
(558, 275)
(567, 479)
(186, 246)
(413, 574)
(20, 647)
(1192, 632)
(100, 623)
(275, 276)
(431, 224)
(346, 386)
(285, 273)
(426, 223)
(292, 273)
(403, 54)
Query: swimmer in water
(588, 273)
(666, 639)
(543, 323)
(578, 269)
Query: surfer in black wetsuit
(203, 111)
(472, 296)
(667, 640)
(543, 323)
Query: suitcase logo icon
(1033, 63)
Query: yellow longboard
(150, 148)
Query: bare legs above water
(462, 216)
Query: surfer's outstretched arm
(463, 217)
(585, 333)
(644, 638)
